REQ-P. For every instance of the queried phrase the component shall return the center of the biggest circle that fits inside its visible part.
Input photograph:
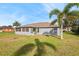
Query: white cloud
(8, 19)
(22, 18)
(48, 6)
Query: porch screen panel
(23, 30)
(18, 29)
(27, 29)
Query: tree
(66, 14)
(9, 25)
(75, 27)
(16, 23)
(39, 48)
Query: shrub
(75, 29)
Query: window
(27, 29)
(18, 29)
(55, 30)
(37, 29)
(34, 29)
(23, 29)
(0, 28)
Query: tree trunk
(61, 29)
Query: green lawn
(10, 43)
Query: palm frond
(54, 12)
(52, 23)
(69, 6)
(74, 13)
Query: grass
(10, 43)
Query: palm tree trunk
(61, 33)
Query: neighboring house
(0, 29)
(44, 28)
(6, 29)
(67, 28)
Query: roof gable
(53, 22)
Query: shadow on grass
(40, 48)
(55, 36)
(24, 49)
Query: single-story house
(38, 28)
(6, 29)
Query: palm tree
(39, 48)
(66, 14)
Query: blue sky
(26, 13)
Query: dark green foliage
(69, 6)
(75, 29)
(54, 12)
(66, 13)
(16, 23)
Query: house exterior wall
(44, 31)
(7, 30)
(58, 32)
(56, 24)
(41, 31)
(0, 30)
(24, 33)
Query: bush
(75, 29)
